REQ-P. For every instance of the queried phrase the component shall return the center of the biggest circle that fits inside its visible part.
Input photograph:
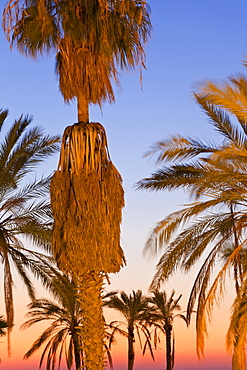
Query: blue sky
(191, 40)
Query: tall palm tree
(91, 38)
(163, 318)
(136, 312)
(24, 209)
(215, 175)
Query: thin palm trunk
(93, 320)
(82, 108)
(237, 262)
(77, 352)
(168, 330)
(131, 350)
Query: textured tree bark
(168, 330)
(131, 351)
(77, 352)
(93, 330)
(82, 109)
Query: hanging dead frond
(81, 69)
(87, 199)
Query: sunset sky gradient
(191, 40)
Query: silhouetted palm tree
(163, 318)
(65, 318)
(136, 312)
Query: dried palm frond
(81, 69)
(87, 199)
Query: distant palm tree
(135, 309)
(162, 318)
(64, 335)
(215, 176)
(3, 326)
(66, 319)
(24, 208)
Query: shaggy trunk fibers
(87, 199)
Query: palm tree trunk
(168, 330)
(77, 352)
(131, 351)
(93, 323)
(82, 109)
(237, 262)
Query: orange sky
(215, 354)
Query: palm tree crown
(66, 319)
(215, 175)
(24, 209)
(90, 37)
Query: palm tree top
(91, 39)
(24, 208)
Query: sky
(191, 40)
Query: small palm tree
(24, 209)
(64, 333)
(163, 318)
(136, 312)
(3, 326)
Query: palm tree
(136, 312)
(215, 175)
(3, 326)
(91, 39)
(65, 316)
(163, 318)
(237, 331)
(24, 209)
